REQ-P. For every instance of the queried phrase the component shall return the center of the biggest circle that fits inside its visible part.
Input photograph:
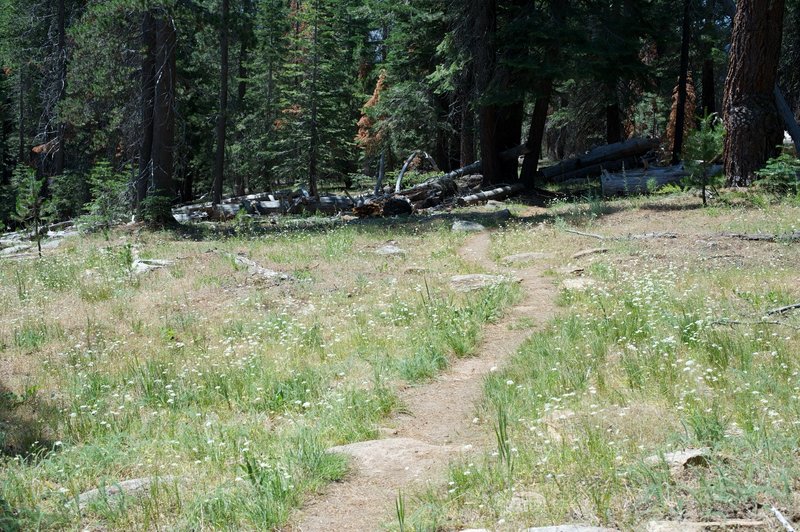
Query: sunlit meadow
(221, 389)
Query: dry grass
(228, 386)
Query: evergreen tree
(316, 97)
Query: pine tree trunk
(314, 131)
(164, 107)
(749, 113)
(709, 105)
(58, 157)
(613, 122)
(219, 158)
(147, 101)
(21, 159)
(536, 133)
(467, 138)
(680, 117)
(484, 15)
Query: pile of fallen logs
(622, 168)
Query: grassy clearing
(645, 362)
(225, 389)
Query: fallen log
(496, 193)
(323, 204)
(642, 181)
(765, 237)
(580, 175)
(394, 205)
(571, 168)
(405, 167)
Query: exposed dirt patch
(437, 420)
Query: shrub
(157, 210)
(69, 193)
(31, 207)
(702, 150)
(110, 203)
(781, 175)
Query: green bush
(31, 209)
(781, 175)
(111, 199)
(157, 210)
(69, 193)
(702, 150)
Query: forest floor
(621, 371)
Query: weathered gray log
(611, 152)
(641, 181)
(403, 172)
(496, 193)
(325, 204)
(580, 175)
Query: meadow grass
(224, 390)
(670, 349)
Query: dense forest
(181, 99)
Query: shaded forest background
(185, 99)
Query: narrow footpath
(437, 421)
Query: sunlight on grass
(225, 388)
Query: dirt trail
(438, 418)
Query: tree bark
(709, 105)
(484, 15)
(613, 121)
(58, 156)
(147, 101)
(164, 107)
(467, 138)
(21, 159)
(536, 133)
(314, 131)
(219, 158)
(680, 116)
(749, 113)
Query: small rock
(404, 459)
(581, 283)
(475, 281)
(526, 257)
(141, 266)
(704, 526)
(51, 244)
(128, 487)
(680, 459)
(569, 528)
(590, 251)
(256, 270)
(463, 226)
(390, 250)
